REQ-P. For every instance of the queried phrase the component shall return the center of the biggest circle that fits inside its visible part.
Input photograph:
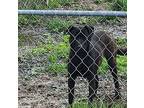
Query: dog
(86, 50)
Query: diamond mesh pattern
(61, 55)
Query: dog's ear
(87, 30)
(72, 30)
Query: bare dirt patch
(50, 90)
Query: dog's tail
(122, 51)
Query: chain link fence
(61, 54)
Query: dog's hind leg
(111, 59)
(93, 85)
(71, 84)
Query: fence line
(72, 13)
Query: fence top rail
(72, 13)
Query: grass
(42, 4)
(31, 20)
(115, 5)
(59, 3)
(119, 5)
(57, 55)
(54, 24)
(121, 65)
(58, 25)
(32, 4)
(100, 104)
(121, 42)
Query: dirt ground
(50, 90)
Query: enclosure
(44, 51)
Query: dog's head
(79, 35)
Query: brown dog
(86, 50)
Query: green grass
(57, 68)
(54, 24)
(100, 104)
(31, 20)
(117, 5)
(57, 56)
(121, 65)
(58, 25)
(121, 42)
(120, 5)
(38, 4)
(59, 3)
